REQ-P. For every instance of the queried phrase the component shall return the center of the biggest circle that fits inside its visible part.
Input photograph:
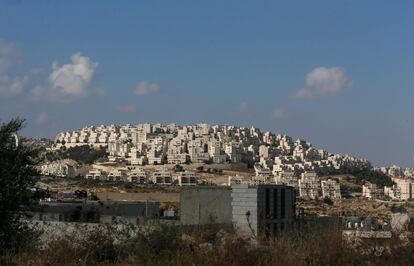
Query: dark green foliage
(123, 244)
(169, 246)
(178, 168)
(363, 175)
(328, 201)
(17, 176)
(372, 176)
(248, 160)
(158, 244)
(82, 154)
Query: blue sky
(337, 73)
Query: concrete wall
(262, 220)
(94, 211)
(244, 200)
(205, 205)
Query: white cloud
(324, 81)
(68, 81)
(73, 78)
(278, 113)
(127, 108)
(41, 119)
(145, 88)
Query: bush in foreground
(166, 245)
(17, 176)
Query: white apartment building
(116, 175)
(198, 150)
(58, 169)
(187, 179)
(288, 178)
(159, 144)
(402, 190)
(233, 152)
(138, 176)
(235, 180)
(95, 175)
(161, 176)
(263, 175)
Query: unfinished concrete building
(372, 191)
(309, 185)
(331, 189)
(262, 210)
(403, 188)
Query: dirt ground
(141, 196)
(355, 207)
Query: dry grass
(163, 245)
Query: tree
(178, 168)
(82, 154)
(372, 176)
(18, 175)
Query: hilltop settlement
(259, 182)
